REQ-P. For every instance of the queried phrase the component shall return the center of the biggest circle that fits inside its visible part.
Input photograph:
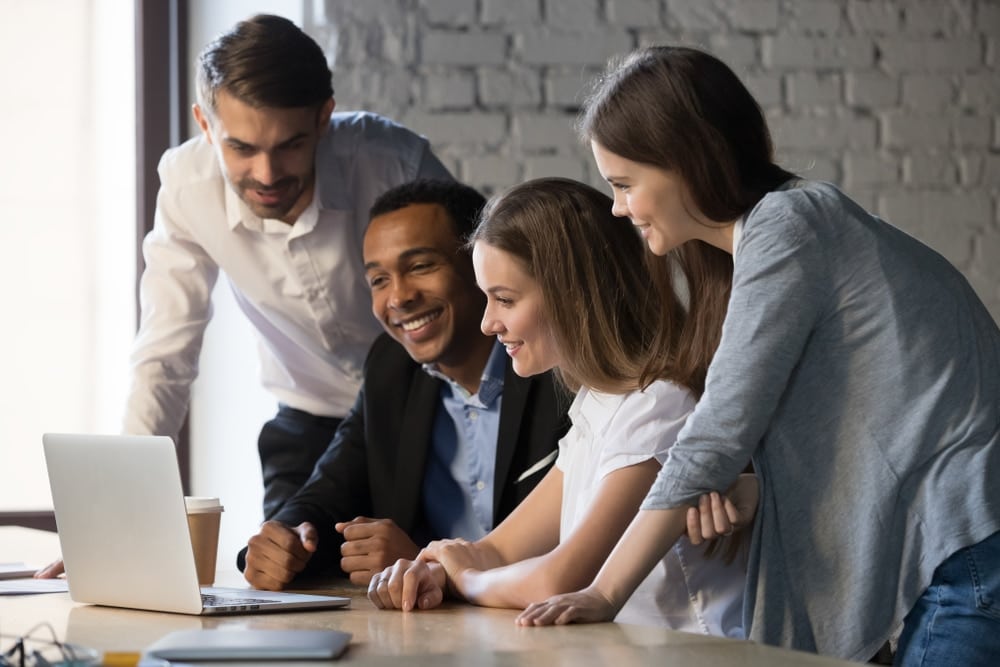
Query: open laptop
(124, 535)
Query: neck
(720, 236)
(468, 371)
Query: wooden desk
(455, 634)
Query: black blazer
(375, 464)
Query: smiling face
(267, 155)
(423, 290)
(515, 311)
(658, 202)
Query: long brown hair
(590, 268)
(684, 110)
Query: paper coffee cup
(204, 514)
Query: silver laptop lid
(122, 525)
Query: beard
(279, 197)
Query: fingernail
(407, 606)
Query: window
(67, 244)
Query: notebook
(123, 530)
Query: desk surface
(456, 633)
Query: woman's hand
(586, 606)
(458, 555)
(407, 585)
(719, 516)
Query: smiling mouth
(416, 323)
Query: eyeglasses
(31, 650)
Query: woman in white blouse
(567, 289)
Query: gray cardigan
(861, 373)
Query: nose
(265, 170)
(490, 325)
(402, 295)
(619, 208)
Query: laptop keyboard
(208, 600)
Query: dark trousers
(289, 446)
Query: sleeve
(779, 288)
(645, 427)
(336, 491)
(430, 166)
(175, 304)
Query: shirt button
(480, 485)
(473, 415)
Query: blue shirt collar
(491, 382)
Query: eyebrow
(237, 143)
(408, 254)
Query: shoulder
(191, 163)
(351, 131)
(387, 355)
(800, 206)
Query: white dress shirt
(302, 286)
(685, 591)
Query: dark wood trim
(42, 520)
(161, 28)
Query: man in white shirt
(275, 193)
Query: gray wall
(896, 101)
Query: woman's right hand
(407, 585)
(585, 606)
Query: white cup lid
(202, 504)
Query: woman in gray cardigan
(856, 368)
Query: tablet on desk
(248, 644)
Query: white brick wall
(898, 101)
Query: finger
(694, 526)
(527, 617)
(733, 513)
(308, 536)
(373, 594)
(50, 571)
(262, 580)
(705, 510)
(340, 526)
(380, 585)
(721, 520)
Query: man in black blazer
(385, 460)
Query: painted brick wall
(897, 101)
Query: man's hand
(277, 553)
(408, 585)
(718, 516)
(371, 545)
(586, 606)
(51, 571)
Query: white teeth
(417, 323)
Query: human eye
(377, 281)
(242, 150)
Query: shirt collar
(491, 382)
(238, 213)
(594, 410)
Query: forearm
(517, 585)
(650, 535)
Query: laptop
(123, 530)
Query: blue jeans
(957, 619)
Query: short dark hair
(462, 203)
(265, 61)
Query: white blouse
(685, 591)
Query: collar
(594, 410)
(238, 213)
(491, 382)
